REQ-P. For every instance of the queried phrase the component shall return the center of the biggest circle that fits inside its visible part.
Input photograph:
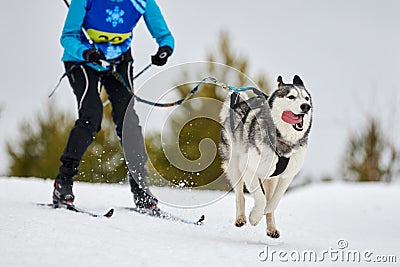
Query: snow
(365, 216)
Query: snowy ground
(365, 217)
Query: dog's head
(291, 109)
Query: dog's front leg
(253, 185)
(280, 189)
(269, 188)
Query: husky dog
(263, 145)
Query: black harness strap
(65, 74)
(280, 165)
(235, 99)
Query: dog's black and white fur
(264, 141)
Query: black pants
(85, 82)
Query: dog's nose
(305, 107)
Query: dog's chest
(295, 163)
(264, 164)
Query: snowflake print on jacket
(115, 16)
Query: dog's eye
(291, 97)
(307, 98)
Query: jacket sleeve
(157, 26)
(71, 37)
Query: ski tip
(109, 213)
(201, 220)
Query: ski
(164, 215)
(108, 214)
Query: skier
(109, 24)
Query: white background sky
(347, 53)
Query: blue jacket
(109, 24)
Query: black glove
(162, 55)
(94, 56)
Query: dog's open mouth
(295, 120)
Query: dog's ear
(280, 81)
(297, 80)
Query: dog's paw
(273, 233)
(240, 221)
(255, 216)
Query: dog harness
(281, 165)
(283, 162)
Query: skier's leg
(84, 82)
(120, 95)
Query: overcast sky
(347, 53)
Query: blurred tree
(39, 145)
(371, 156)
(191, 129)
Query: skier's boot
(142, 196)
(145, 201)
(62, 193)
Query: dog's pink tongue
(290, 117)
